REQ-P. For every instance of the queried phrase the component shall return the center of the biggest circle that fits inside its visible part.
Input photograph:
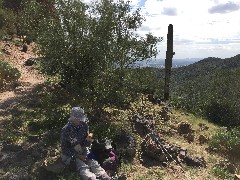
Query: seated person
(103, 152)
(75, 142)
(110, 163)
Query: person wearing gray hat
(75, 144)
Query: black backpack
(102, 151)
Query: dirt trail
(28, 80)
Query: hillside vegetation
(209, 88)
(85, 53)
(204, 68)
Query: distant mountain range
(191, 69)
(204, 67)
(160, 63)
(192, 64)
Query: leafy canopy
(88, 46)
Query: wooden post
(168, 61)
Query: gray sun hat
(78, 114)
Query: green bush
(226, 141)
(216, 97)
(96, 44)
(222, 112)
(7, 22)
(146, 81)
(2, 18)
(8, 73)
(221, 173)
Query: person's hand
(82, 157)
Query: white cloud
(169, 11)
(197, 33)
(224, 8)
(206, 28)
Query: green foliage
(12, 4)
(215, 96)
(222, 173)
(8, 73)
(146, 81)
(30, 18)
(132, 83)
(7, 22)
(226, 142)
(103, 129)
(203, 69)
(2, 18)
(95, 44)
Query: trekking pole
(162, 148)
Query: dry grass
(121, 118)
(137, 171)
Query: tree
(7, 21)
(88, 46)
(214, 96)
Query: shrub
(7, 22)
(226, 141)
(8, 73)
(222, 113)
(96, 44)
(215, 97)
(221, 173)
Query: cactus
(168, 61)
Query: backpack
(104, 151)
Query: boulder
(56, 167)
(29, 62)
(160, 150)
(125, 144)
(24, 48)
(165, 114)
(194, 161)
(184, 128)
(139, 124)
(189, 137)
(202, 139)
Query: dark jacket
(71, 135)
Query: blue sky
(201, 28)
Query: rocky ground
(31, 156)
(18, 154)
(29, 77)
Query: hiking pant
(89, 169)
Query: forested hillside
(209, 88)
(204, 68)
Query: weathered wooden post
(168, 61)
